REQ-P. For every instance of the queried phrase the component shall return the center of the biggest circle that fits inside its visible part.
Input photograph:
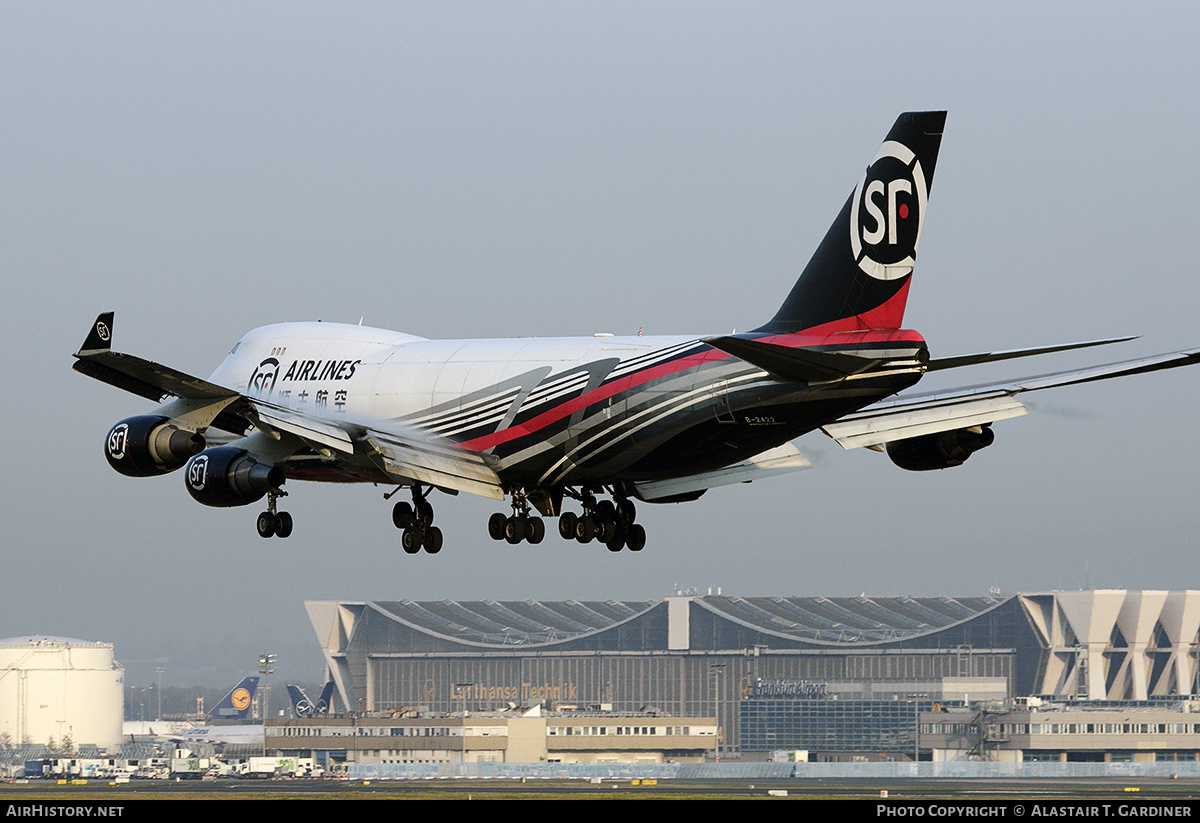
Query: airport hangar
(755, 662)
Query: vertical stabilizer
(858, 277)
(236, 704)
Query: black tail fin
(858, 278)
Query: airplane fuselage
(559, 411)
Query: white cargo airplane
(601, 420)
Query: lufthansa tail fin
(322, 706)
(857, 280)
(303, 707)
(236, 704)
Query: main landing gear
(272, 524)
(520, 526)
(417, 522)
(610, 522)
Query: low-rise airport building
(1077, 731)
(503, 737)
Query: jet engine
(940, 450)
(147, 445)
(229, 476)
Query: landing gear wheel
(566, 525)
(266, 524)
(402, 515)
(514, 529)
(496, 526)
(433, 540)
(606, 529)
(411, 541)
(283, 524)
(637, 537)
(535, 530)
(585, 529)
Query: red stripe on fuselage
(806, 339)
(595, 396)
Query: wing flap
(876, 427)
(779, 460)
(437, 463)
(307, 428)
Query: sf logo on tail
(887, 211)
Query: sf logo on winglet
(240, 699)
(264, 377)
(102, 331)
(887, 211)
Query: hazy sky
(542, 169)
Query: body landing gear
(608, 522)
(417, 522)
(520, 526)
(272, 524)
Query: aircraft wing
(133, 374)
(907, 416)
(408, 455)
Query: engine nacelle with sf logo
(229, 476)
(147, 445)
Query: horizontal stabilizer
(994, 356)
(794, 365)
(779, 460)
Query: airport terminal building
(762, 665)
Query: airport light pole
(462, 688)
(717, 669)
(160, 674)
(266, 666)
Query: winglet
(99, 339)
